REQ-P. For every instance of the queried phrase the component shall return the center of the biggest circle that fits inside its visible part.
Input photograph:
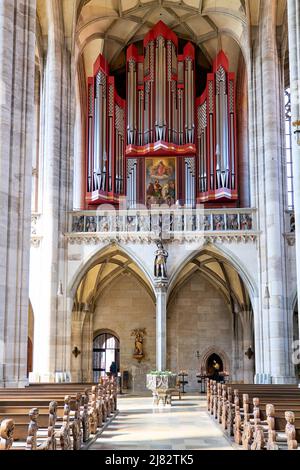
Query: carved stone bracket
(290, 238)
(35, 237)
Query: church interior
(150, 224)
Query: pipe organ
(216, 136)
(105, 138)
(162, 144)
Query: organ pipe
(106, 126)
(217, 123)
(90, 137)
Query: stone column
(273, 363)
(87, 346)
(78, 318)
(17, 52)
(248, 347)
(79, 139)
(294, 61)
(53, 314)
(161, 325)
(243, 139)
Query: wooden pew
(79, 411)
(256, 423)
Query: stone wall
(125, 306)
(198, 320)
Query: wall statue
(138, 345)
(160, 264)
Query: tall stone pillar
(78, 318)
(294, 61)
(161, 325)
(17, 52)
(274, 249)
(79, 139)
(54, 309)
(248, 353)
(273, 363)
(87, 345)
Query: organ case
(162, 117)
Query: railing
(167, 223)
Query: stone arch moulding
(92, 258)
(228, 256)
(105, 330)
(204, 356)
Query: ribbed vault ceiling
(114, 24)
(115, 263)
(221, 273)
(108, 26)
(108, 268)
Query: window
(106, 350)
(288, 145)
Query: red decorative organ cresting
(162, 118)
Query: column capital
(161, 285)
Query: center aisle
(184, 426)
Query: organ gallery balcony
(218, 225)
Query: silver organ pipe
(160, 87)
(132, 99)
(131, 183)
(174, 94)
(117, 149)
(100, 119)
(232, 134)
(120, 126)
(134, 185)
(111, 135)
(140, 117)
(186, 100)
(180, 102)
(90, 140)
(97, 134)
(190, 191)
(222, 130)
(141, 112)
(218, 142)
(211, 133)
(202, 147)
(104, 125)
(151, 94)
(216, 134)
(175, 113)
(189, 101)
(122, 152)
(146, 118)
(158, 90)
(186, 182)
(169, 94)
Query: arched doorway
(106, 351)
(113, 296)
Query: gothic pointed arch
(103, 267)
(230, 266)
